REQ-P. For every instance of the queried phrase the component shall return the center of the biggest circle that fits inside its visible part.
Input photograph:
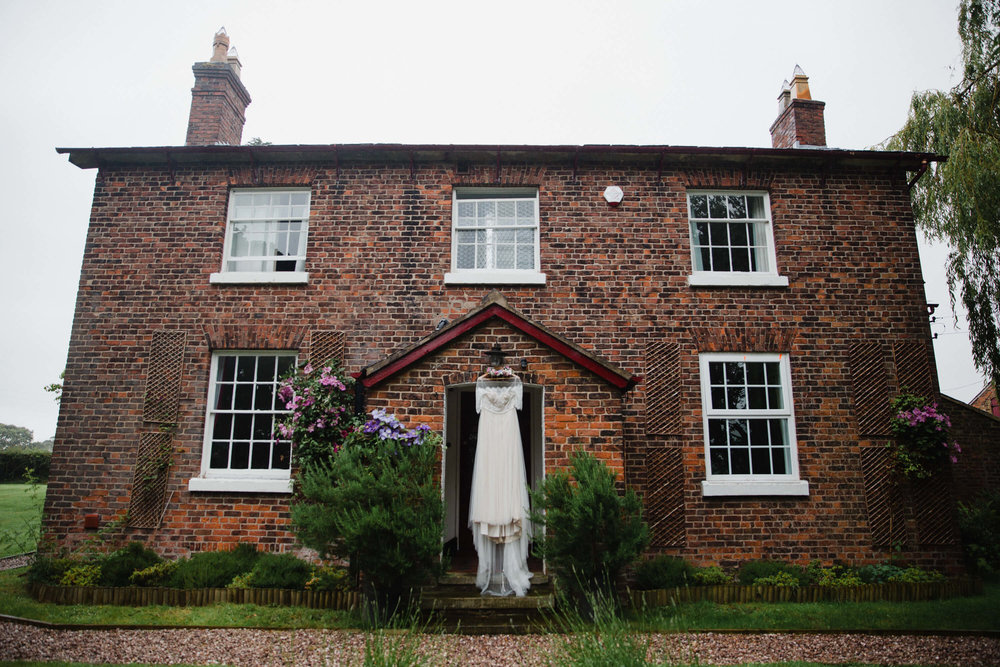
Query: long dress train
(498, 506)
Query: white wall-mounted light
(613, 195)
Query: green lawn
(20, 517)
(971, 613)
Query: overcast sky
(80, 74)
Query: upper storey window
(265, 237)
(495, 236)
(732, 241)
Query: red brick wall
(379, 245)
(802, 122)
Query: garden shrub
(15, 464)
(838, 576)
(154, 575)
(591, 532)
(213, 569)
(663, 572)
(753, 570)
(377, 505)
(922, 444)
(280, 571)
(82, 574)
(118, 567)
(979, 524)
(879, 573)
(713, 575)
(48, 570)
(244, 580)
(329, 578)
(781, 578)
(915, 575)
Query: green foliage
(329, 578)
(117, 568)
(663, 572)
(49, 570)
(713, 575)
(753, 571)
(839, 576)
(396, 649)
(16, 462)
(15, 436)
(280, 571)
(56, 388)
(605, 639)
(914, 575)
(922, 442)
(782, 578)
(81, 574)
(376, 504)
(979, 523)
(959, 200)
(213, 569)
(321, 411)
(244, 580)
(154, 575)
(879, 573)
(591, 532)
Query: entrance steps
(455, 605)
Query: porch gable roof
(494, 306)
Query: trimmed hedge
(15, 462)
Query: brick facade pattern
(379, 245)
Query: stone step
(437, 601)
(469, 579)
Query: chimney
(800, 118)
(218, 99)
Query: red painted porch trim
(519, 323)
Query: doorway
(461, 432)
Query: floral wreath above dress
(502, 373)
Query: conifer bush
(376, 505)
(591, 532)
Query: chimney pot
(218, 99)
(220, 46)
(800, 118)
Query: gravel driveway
(338, 647)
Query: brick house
(722, 326)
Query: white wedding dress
(498, 507)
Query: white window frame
(768, 277)
(269, 480)
(490, 275)
(787, 484)
(265, 216)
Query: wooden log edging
(730, 593)
(135, 596)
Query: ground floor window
(749, 425)
(241, 448)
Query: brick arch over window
(272, 176)
(501, 174)
(241, 337)
(745, 339)
(744, 179)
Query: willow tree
(958, 201)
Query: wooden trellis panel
(326, 345)
(665, 497)
(886, 511)
(163, 377)
(913, 370)
(153, 459)
(662, 388)
(934, 510)
(871, 388)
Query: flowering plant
(386, 427)
(320, 404)
(923, 442)
(502, 372)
